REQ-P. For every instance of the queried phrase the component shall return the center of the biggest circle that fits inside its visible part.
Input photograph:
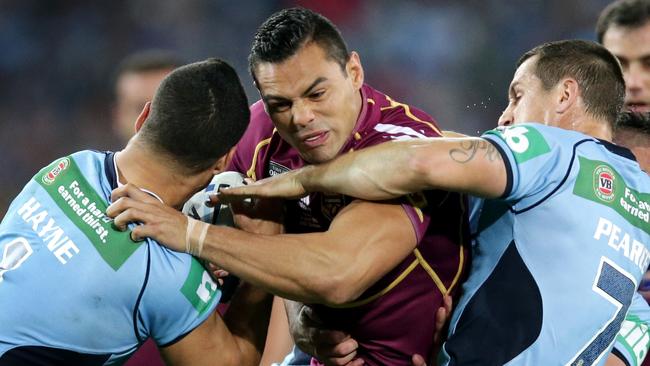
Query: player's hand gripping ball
(220, 214)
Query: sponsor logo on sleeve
(199, 288)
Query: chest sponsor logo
(599, 182)
(604, 183)
(59, 166)
(277, 168)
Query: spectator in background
(137, 78)
(624, 29)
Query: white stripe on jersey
(404, 133)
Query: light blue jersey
(74, 290)
(557, 260)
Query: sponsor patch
(604, 183)
(276, 168)
(85, 209)
(199, 288)
(525, 142)
(331, 204)
(599, 182)
(59, 166)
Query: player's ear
(355, 70)
(567, 94)
(143, 116)
(223, 161)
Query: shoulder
(384, 118)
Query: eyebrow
(511, 89)
(306, 92)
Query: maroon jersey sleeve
(246, 157)
(402, 124)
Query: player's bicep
(374, 237)
(208, 344)
(469, 165)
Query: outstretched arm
(331, 267)
(388, 170)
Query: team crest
(60, 166)
(604, 180)
(331, 204)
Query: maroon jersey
(394, 318)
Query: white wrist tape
(195, 236)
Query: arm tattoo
(471, 148)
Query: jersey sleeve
(536, 159)
(633, 340)
(179, 296)
(416, 205)
(257, 135)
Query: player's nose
(506, 118)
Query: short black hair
(596, 70)
(198, 114)
(286, 31)
(623, 13)
(639, 122)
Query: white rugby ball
(220, 215)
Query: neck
(582, 122)
(599, 129)
(140, 166)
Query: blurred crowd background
(452, 58)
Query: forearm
(247, 319)
(286, 265)
(393, 169)
(380, 172)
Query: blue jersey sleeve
(179, 296)
(633, 340)
(536, 159)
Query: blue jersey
(73, 289)
(557, 259)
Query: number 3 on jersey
(616, 286)
(14, 254)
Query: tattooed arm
(392, 169)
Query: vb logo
(604, 183)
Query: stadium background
(452, 58)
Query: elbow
(420, 170)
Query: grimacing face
(632, 48)
(313, 103)
(527, 99)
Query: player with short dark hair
(374, 270)
(561, 235)
(76, 291)
(624, 29)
